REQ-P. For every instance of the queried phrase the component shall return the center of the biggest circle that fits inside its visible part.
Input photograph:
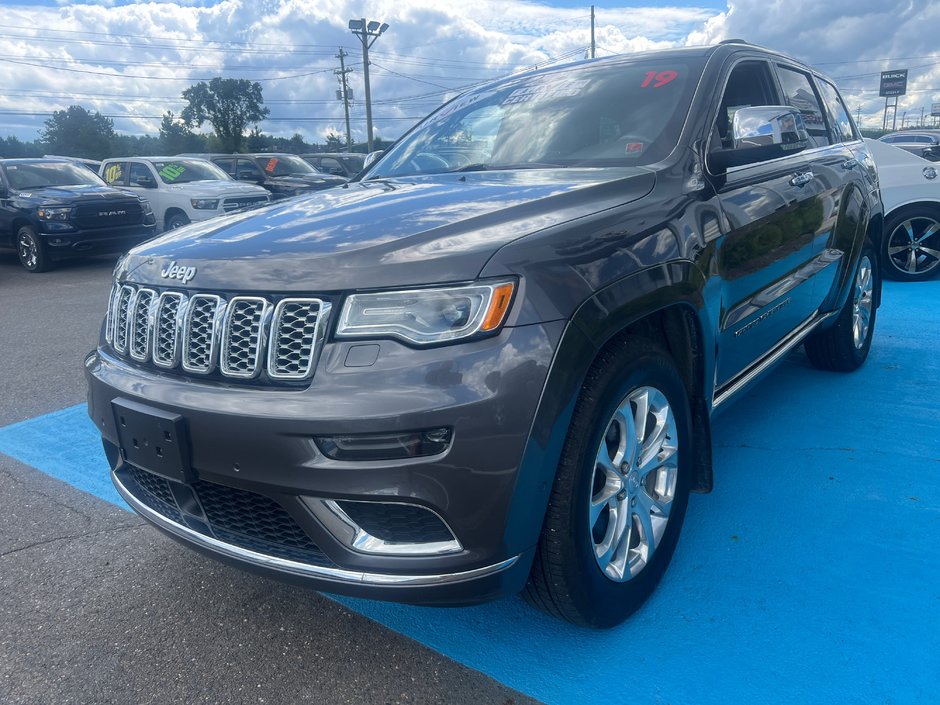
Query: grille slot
(121, 315)
(139, 322)
(243, 337)
(294, 335)
(166, 322)
(107, 215)
(199, 333)
(233, 204)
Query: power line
(23, 113)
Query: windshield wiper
(506, 167)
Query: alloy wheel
(28, 250)
(634, 483)
(862, 302)
(914, 245)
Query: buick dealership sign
(893, 83)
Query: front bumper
(257, 442)
(71, 242)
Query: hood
(387, 233)
(217, 189)
(73, 195)
(323, 178)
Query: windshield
(285, 165)
(611, 115)
(182, 171)
(32, 175)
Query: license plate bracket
(153, 440)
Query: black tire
(837, 348)
(177, 220)
(31, 250)
(567, 579)
(904, 259)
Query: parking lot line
(810, 575)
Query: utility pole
(344, 94)
(921, 116)
(367, 32)
(593, 45)
(858, 120)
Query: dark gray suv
(490, 365)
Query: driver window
(137, 172)
(749, 84)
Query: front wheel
(621, 490)
(844, 346)
(31, 250)
(177, 220)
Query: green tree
(78, 133)
(176, 137)
(335, 143)
(228, 104)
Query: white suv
(181, 191)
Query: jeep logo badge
(174, 271)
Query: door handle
(802, 179)
(849, 164)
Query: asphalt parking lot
(810, 575)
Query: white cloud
(142, 55)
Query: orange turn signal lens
(499, 305)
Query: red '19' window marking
(661, 78)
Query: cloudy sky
(131, 60)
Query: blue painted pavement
(810, 575)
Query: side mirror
(249, 176)
(762, 133)
(146, 182)
(372, 157)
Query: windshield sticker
(634, 148)
(113, 173)
(461, 103)
(546, 91)
(171, 172)
(659, 79)
(271, 165)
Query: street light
(367, 32)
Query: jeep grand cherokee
(490, 365)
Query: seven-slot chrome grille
(241, 337)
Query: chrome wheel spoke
(912, 261)
(634, 482)
(928, 232)
(930, 251)
(909, 229)
(898, 250)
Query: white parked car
(181, 190)
(910, 190)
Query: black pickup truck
(54, 208)
(490, 364)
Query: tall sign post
(893, 84)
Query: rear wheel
(31, 250)
(844, 346)
(911, 249)
(621, 490)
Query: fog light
(385, 446)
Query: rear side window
(248, 169)
(842, 128)
(798, 93)
(115, 173)
(227, 165)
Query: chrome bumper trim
(335, 575)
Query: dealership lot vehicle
(338, 163)
(491, 364)
(910, 190)
(924, 144)
(284, 175)
(55, 208)
(182, 191)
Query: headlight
(427, 316)
(205, 204)
(54, 213)
(146, 207)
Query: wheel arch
(19, 222)
(174, 210)
(662, 303)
